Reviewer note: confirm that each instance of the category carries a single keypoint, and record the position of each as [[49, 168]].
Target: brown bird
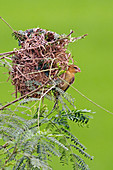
[[70, 76], [68, 80]]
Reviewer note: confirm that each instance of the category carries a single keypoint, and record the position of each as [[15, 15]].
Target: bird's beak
[[78, 70]]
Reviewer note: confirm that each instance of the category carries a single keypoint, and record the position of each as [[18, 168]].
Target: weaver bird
[[68, 80], [70, 76]]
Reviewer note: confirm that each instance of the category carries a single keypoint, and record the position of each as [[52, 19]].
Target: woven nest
[[42, 56]]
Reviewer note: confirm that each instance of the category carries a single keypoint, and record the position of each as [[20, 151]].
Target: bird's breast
[[69, 79]]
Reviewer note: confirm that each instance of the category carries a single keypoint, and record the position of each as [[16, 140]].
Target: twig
[[60, 38], [41, 99], [20, 50], [87, 97], [52, 109], [20, 98], [47, 91], [51, 68], [4, 146], [14, 151], [5, 57], [21, 73], [7, 24], [42, 71], [78, 38], [39, 111], [8, 64], [70, 33], [9, 53]]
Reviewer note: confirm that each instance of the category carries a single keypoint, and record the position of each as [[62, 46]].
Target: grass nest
[[42, 57]]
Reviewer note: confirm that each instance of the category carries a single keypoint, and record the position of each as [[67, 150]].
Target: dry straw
[[42, 56]]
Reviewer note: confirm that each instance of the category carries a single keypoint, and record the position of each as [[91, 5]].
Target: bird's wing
[[71, 82]]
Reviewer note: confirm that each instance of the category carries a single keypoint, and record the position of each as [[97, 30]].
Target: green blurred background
[[94, 55]]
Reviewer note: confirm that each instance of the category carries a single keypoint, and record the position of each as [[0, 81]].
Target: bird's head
[[74, 69]]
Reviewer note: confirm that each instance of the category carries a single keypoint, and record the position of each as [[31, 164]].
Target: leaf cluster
[[29, 144]]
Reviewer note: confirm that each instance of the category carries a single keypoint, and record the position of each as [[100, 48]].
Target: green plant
[[30, 142], [31, 132]]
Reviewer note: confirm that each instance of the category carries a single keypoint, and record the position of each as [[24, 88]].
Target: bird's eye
[[75, 67]]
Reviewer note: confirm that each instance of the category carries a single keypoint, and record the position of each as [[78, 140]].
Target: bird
[[69, 77], [68, 80]]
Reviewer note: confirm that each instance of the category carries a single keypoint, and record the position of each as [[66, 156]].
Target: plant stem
[[20, 98], [87, 97], [7, 24], [14, 151]]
